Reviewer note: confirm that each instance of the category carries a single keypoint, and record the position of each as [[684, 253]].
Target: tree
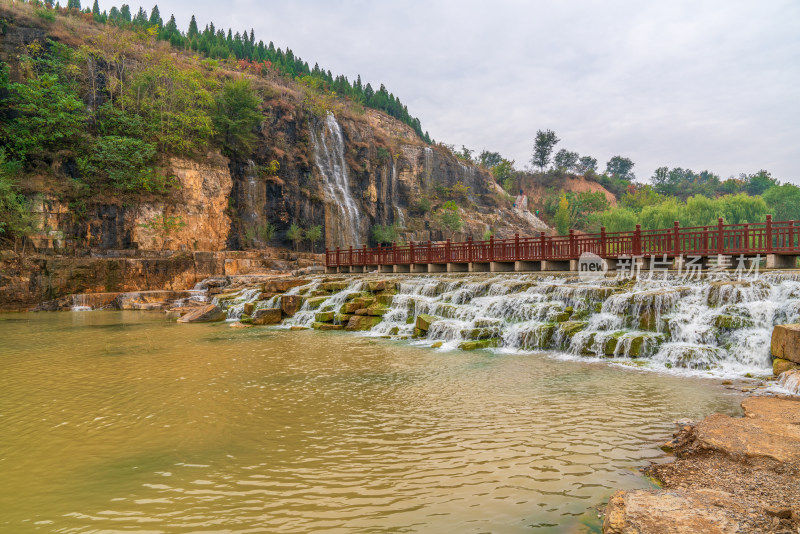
[[295, 235], [502, 173], [620, 168], [155, 17], [587, 165], [561, 219], [236, 116], [566, 161], [755, 184], [449, 217], [546, 140], [16, 219], [783, 202], [490, 160], [385, 234], [314, 234], [96, 10], [192, 32]]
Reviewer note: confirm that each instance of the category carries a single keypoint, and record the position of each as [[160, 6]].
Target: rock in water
[[267, 316], [204, 314], [291, 303], [786, 342]]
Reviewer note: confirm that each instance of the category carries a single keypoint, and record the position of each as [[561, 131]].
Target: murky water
[[119, 421]]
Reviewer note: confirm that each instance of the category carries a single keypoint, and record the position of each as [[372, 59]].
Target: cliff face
[[345, 170]]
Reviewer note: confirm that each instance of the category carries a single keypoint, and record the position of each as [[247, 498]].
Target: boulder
[[290, 304], [362, 322], [324, 317], [284, 284], [380, 285], [377, 310], [779, 365], [790, 380], [327, 326], [249, 307], [786, 342], [267, 316], [204, 314], [475, 345], [241, 325], [350, 307], [424, 321], [333, 286], [316, 302]]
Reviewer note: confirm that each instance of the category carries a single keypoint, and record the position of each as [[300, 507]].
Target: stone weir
[[714, 326]]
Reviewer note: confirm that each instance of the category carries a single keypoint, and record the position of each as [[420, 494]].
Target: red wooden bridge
[[776, 241]]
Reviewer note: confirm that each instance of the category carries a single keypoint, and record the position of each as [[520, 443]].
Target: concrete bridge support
[[356, 268], [475, 267], [553, 265], [457, 267], [521, 266], [501, 266], [401, 268], [386, 268], [419, 268], [779, 261], [437, 267]]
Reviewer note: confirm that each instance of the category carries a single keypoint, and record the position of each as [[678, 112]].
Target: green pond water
[[123, 422]]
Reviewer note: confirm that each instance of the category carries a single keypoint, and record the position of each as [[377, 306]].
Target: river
[[121, 421]]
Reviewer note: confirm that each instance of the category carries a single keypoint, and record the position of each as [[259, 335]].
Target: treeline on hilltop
[[677, 194], [216, 43]]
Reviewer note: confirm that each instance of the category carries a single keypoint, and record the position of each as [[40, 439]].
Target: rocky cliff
[[340, 166]]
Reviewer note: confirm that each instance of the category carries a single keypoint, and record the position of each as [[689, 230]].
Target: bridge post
[[447, 257], [573, 249], [469, 248], [394, 253], [603, 247], [544, 247], [516, 247], [337, 257], [637, 240], [676, 244], [429, 251], [411, 251], [769, 234], [491, 248], [720, 237], [364, 256]]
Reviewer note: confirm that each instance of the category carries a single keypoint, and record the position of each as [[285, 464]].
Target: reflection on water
[[119, 421]]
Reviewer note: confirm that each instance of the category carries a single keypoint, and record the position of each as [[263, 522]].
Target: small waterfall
[[428, 165], [329, 157], [251, 210], [400, 216], [80, 303]]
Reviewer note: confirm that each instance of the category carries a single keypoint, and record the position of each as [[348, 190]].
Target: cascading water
[[329, 147], [401, 218], [428, 165]]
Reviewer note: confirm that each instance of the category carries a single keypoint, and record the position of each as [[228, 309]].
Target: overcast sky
[[697, 84]]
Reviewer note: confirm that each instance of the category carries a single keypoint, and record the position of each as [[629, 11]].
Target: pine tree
[[192, 28], [96, 10], [74, 4], [155, 18]]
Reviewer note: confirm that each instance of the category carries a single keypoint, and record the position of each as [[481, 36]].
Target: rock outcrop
[[731, 475]]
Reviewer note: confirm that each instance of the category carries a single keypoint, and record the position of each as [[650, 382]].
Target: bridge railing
[[768, 237]]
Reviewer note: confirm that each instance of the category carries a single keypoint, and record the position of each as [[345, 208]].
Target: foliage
[[566, 161], [620, 168], [460, 192], [385, 234], [313, 235], [503, 171], [543, 146], [295, 235], [487, 234], [16, 220], [490, 160], [449, 217], [164, 225], [586, 165], [464, 154], [423, 206], [236, 115], [266, 232], [44, 115], [783, 202], [126, 162], [561, 219]]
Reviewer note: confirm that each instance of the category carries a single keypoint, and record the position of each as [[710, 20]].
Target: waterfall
[[251, 211], [401, 218], [670, 324], [329, 157], [428, 165]]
